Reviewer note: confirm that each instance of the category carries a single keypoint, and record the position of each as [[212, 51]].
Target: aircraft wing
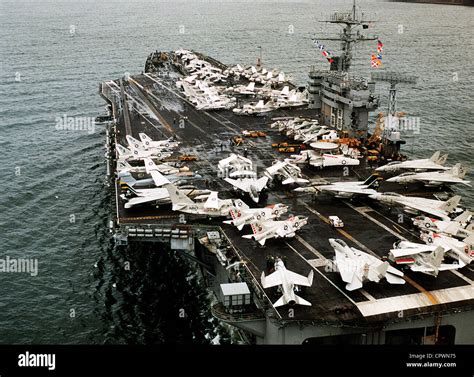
[[158, 178], [398, 253], [271, 280], [298, 279], [212, 201], [442, 179], [431, 211], [347, 268], [348, 190], [275, 167], [241, 185]]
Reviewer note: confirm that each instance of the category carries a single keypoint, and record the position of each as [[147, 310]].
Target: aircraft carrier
[[424, 310]]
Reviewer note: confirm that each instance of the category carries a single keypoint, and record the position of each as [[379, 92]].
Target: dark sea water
[[82, 293]]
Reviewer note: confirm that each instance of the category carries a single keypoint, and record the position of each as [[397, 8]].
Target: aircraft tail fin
[[435, 156], [436, 257], [442, 160], [463, 217], [134, 143], [126, 186], [177, 197], [261, 183], [469, 240], [372, 181], [451, 204], [459, 171], [126, 179], [470, 228]]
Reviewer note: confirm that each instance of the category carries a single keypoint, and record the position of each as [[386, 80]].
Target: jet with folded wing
[[463, 250], [421, 258], [415, 205], [148, 142], [345, 190], [243, 215], [252, 186], [136, 154], [276, 229], [212, 206], [287, 172], [434, 178], [288, 281], [356, 267], [460, 226], [436, 162]]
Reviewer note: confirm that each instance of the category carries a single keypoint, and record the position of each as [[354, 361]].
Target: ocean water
[[55, 202]]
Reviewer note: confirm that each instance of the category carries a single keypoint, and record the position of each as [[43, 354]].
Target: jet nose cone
[[373, 196]]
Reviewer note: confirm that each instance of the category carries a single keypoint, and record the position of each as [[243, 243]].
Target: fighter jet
[[463, 250], [213, 206], [355, 266], [259, 108], [434, 179], [149, 143], [323, 160], [415, 205], [436, 162], [287, 172], [136, 154], [276, 229], [135, 144], [158, 195], [458, 227], [235, 166], [252, 186], [288, 282], [421, 258], [345, 190], [243, 215]]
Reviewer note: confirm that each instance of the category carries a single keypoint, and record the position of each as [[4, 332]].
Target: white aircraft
[[421, 258], [355, 266], [242, 89], [288, 281], [158, 195], [436, 162], [255, 109], [243, 215], [458, 227], [323, 160], [149, 143], [435, 178], [135, 144], [276, 229], [236, 166], [213, 206], [287, 172], [463, 250], [136, 154], [251, 186], [345, 190], [415, 205]]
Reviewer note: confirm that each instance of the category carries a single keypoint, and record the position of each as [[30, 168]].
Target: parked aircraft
[[436, 162], [276, 229], [288, 282], [356, 267], [243, 215], [421, 258], [415, 205]]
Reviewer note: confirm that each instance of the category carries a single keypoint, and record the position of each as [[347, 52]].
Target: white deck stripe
[[414, 301]]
